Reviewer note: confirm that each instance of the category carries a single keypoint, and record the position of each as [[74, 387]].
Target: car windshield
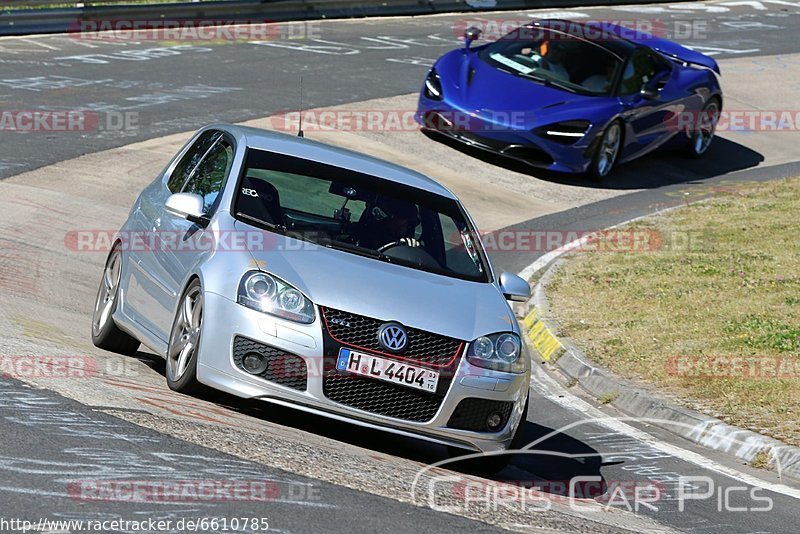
[[360, 214], [555, 58]]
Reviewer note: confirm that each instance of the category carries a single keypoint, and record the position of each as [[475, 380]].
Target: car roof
[[610, 41], [305, 148]]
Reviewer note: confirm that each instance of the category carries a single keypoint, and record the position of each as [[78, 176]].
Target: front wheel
[[704, 129], [105, 333], [184, 341], [607, 151]]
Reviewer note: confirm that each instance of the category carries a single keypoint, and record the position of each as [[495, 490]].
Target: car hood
[[345, 281]]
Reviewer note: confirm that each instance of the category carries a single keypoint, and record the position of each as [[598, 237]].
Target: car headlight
[[501, 352], [566, 132], [433, 85], [269, 294]]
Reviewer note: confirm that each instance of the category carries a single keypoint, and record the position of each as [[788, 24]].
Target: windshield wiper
[[548, 81], [361, 251], [261, 222]]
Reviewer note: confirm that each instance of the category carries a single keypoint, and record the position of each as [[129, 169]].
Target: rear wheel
[[606, 152], [704, 129], [105, 333], [184, 341]]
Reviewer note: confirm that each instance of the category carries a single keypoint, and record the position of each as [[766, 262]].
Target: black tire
[[606, 152], [106, 334], [184, 341], [704, 129], [490, 465]]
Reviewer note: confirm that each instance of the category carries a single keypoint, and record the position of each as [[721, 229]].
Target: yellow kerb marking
[[542, 338]]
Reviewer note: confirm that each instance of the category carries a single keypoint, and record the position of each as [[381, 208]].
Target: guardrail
[[20, 21]]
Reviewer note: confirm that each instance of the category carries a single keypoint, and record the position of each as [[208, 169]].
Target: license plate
[[388, 370]]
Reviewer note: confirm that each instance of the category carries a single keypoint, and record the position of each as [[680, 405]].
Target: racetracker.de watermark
[[199, 30], [48, 366], [181, 241], [572, 240], [736, 120], [636, 29], [499, 121], [399, 120], [743, 367], [66, 121], [43, 366], [178, 241], [190, 491]]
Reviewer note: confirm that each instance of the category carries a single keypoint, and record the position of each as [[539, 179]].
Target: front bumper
[[225, 320], [504, 139]]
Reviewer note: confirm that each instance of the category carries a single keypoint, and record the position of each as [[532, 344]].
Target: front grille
[[529, 153], [472, 136], [471, 414], [284, 368], [488, 142], [382, 398], [361, 332], [345, 329]]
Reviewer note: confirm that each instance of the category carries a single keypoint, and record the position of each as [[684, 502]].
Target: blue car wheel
[[607, 151], [704, 130]]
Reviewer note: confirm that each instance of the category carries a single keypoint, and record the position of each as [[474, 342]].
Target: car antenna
[[300, 128]]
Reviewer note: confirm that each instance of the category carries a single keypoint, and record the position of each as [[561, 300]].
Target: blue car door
[[647, 113]]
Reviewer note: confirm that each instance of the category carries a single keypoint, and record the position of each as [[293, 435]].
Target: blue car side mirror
[[649, 92], [473, 33]]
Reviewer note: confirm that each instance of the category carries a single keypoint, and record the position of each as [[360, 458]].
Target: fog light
[[494, 421], [254, 363]]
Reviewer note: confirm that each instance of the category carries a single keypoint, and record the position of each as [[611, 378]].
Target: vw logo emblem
[[393, 337]]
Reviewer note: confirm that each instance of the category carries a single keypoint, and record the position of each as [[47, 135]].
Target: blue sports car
[[573, 97]]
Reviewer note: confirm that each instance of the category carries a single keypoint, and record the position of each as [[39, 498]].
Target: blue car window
[[556, 59]]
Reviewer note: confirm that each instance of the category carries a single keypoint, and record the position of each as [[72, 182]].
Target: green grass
[[733, 292], [760, 460]]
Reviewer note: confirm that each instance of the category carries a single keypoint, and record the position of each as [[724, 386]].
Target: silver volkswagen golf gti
[[278, 268]]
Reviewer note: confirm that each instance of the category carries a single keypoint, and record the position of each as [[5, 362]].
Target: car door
[[646, 118], [187, 243], [151, 288]]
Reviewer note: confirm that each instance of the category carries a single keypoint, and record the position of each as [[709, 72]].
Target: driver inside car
[[390, 221]]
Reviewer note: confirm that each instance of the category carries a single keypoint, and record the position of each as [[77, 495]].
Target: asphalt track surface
[[177, 89], [180, 86]]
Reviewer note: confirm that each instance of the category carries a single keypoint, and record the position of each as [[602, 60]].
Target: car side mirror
[[651, 89], [473, 33], [649, 92], [514, 288], [188, 206]]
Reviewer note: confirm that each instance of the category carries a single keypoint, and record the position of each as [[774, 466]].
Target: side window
[[209, 176], [190, 160], [458, 256], [640, 69]]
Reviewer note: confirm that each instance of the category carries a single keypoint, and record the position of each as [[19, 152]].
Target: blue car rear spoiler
[[668, 48], [682, 53], [640, 37]]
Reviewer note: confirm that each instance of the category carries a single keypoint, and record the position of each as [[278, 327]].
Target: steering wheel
[[393, 244]]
